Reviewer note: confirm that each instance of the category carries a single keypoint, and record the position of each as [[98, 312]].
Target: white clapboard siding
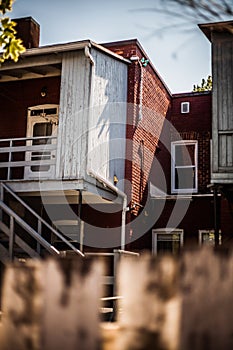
[[74, 99], [222, 162], [107, 121], [92, 117]]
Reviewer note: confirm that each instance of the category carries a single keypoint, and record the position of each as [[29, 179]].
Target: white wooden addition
[[221, 38], [91, 134], [92, 116]]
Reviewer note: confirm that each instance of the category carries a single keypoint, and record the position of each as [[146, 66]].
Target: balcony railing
[[20, 157]]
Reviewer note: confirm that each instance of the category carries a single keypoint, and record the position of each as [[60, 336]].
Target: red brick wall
[[28, 30], [195, 125], [17, 96], [199, 216]]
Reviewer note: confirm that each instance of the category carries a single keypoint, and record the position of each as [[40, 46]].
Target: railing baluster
[[11, 239], [39, 230], [2, 199], [11, 148], [9, 160]]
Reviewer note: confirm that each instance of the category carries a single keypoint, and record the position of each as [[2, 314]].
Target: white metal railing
[[36, 234], [26, 146]]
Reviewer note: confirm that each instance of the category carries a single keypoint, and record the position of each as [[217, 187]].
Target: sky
[[181, 57]]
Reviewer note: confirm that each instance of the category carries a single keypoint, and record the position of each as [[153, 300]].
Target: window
[[167, 240], [206, 237], [184, 166], [185, 107], [42, 124]]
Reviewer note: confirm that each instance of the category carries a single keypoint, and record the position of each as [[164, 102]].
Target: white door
[[42, 126]]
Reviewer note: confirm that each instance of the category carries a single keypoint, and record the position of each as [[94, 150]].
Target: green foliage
[[206, 85], [6, 5], [11, 46]]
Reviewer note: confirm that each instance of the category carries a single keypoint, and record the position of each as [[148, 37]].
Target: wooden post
[[207, 301], [52, 305], [81, 222], [216, 217], [149, 313]]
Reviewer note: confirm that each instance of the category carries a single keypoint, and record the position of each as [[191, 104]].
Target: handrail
[[111, 298], [33, 148], [47, 152], [29, 229], [126, 252], [39, 218], [28, 138]]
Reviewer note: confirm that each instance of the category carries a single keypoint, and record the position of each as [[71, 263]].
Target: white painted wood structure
[[92, 109], [221, 36]]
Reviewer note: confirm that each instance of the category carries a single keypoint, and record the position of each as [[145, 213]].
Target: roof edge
[[71, 46], [191, 93], [220, 27]]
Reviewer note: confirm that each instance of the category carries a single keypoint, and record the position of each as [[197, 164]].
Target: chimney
[[29, 31]]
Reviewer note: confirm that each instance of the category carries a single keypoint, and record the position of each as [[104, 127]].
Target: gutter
[[70, 46], [120, 194]]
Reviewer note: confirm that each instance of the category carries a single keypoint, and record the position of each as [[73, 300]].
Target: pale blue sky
[[105, 20]]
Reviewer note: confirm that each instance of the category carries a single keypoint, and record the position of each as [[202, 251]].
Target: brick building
[[132, 160], [92, 109], [187, 203]]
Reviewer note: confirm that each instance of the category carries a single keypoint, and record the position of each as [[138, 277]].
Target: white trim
[[185, 107], [31, 121], [164, 231], [173, 167], [200, 236]]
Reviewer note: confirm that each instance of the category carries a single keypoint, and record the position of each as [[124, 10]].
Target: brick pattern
[[17, 96], [195, 125]]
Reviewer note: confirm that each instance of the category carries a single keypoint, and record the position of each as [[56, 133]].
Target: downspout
[[142, 63], [124, 203], [91, 84], [88, 54], [90, 108], [141, 90]]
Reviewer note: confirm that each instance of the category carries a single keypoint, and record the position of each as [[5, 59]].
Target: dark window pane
[[184, 155], [168, 243], [184, 178], [42, 129], [36, 112]]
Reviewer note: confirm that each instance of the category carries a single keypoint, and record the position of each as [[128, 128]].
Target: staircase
[[20, 239]]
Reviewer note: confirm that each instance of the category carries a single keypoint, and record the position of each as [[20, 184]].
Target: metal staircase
[[20, 239]]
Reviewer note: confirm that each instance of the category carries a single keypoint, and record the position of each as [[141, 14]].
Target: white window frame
[[31, 121], [200, 237], [182, 108], [173, 167], [164, 231]]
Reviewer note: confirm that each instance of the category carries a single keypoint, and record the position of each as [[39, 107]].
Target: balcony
[[28, 158]]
